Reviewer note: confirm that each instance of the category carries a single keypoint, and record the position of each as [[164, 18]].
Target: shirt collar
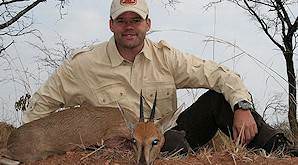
[[114, 55], [146, 50], [117, 59]]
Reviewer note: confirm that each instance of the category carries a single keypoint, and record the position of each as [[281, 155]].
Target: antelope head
[[147, 136]]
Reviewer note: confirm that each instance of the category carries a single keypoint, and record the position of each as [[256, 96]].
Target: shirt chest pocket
[[110, 93], [162, 93], [166, 95]]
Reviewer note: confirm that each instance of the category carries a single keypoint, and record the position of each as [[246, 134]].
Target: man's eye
[[136, 20], [120, 21]]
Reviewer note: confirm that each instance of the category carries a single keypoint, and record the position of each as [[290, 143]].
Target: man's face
[[129, 30]]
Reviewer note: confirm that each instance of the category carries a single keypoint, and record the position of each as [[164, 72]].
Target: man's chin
[[130, 45]]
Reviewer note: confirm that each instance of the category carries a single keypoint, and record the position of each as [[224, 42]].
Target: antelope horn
[[141, 108], [153, 108]]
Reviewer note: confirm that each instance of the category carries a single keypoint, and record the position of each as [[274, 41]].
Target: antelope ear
[[128, 117], [169, 121]]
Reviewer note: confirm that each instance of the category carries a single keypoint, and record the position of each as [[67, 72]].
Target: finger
[[247, 134], [256, 129], [242, 130], [253, 132], [235, 135], [240, 137], [243, 139]]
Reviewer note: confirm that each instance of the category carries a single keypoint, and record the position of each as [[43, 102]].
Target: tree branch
[[20, 14], [281, 18], [293, 28], [262, 3], [263, 25], [4, 48], [12, 1], [280, 5]]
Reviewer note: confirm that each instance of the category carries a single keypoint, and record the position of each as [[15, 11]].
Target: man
[[117, 70]]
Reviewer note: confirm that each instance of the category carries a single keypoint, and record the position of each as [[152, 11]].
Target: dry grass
[[220, 150], [223, 151]]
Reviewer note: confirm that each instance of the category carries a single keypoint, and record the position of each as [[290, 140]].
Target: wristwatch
[[244, 105]]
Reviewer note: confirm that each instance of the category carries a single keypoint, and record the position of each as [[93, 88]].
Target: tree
[[278, 22], [15, 21]]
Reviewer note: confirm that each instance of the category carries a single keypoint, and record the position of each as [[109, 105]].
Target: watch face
[[245, 105]]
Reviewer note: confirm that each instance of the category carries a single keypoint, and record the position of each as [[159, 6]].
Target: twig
[[208, 158], [234, 160], [91, 153]]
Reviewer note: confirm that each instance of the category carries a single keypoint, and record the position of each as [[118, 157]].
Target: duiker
[[65, 130], [148, 137]]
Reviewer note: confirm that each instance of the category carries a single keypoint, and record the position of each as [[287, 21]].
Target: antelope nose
[[144, 163], [142, 160]]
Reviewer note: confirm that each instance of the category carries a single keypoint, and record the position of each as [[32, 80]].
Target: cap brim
[[132, 9]]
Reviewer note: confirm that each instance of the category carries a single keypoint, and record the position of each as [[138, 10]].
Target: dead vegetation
[[220, 150], [114, 156]]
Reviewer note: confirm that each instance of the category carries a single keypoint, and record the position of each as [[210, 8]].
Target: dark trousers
[[211, 112]]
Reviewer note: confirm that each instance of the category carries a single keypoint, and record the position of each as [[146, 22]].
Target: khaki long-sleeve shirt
[[99, 75]]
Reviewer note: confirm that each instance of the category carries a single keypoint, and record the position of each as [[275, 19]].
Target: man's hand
[[244, 126]]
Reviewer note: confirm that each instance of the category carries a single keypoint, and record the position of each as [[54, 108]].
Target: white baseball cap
[[120, 6]]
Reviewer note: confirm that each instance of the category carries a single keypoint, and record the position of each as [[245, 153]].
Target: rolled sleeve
[[192, 72]]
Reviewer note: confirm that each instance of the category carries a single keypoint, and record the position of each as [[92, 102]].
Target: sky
[[185, 26]]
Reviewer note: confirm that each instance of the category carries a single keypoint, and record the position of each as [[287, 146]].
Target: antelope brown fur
[[65, 130]]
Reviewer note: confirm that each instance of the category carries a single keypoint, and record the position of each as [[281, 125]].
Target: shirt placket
[[136, 76]]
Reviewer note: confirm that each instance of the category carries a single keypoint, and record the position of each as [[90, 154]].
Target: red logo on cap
[[128, 2]]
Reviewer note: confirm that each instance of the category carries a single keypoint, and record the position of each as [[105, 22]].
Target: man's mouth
[[129, 36]]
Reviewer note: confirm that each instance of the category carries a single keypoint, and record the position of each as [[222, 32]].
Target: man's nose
[[128, 25]]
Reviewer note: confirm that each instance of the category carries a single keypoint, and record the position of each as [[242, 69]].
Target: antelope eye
[[155, 142], [133, 140]]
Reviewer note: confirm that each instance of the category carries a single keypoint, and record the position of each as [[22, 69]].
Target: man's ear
[[148, 22], [111, 25]]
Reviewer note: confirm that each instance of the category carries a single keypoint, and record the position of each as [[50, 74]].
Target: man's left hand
[[244, 126]]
